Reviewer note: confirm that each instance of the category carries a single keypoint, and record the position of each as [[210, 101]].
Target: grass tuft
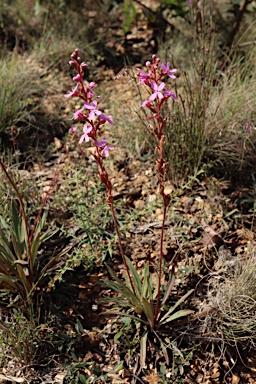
[[234, 300]]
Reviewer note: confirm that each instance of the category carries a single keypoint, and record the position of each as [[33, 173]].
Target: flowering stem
[[153, 80], [111, 205], [104, 178], [160, 266]]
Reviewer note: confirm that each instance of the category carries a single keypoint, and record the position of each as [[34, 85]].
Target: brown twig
[[237, 23]]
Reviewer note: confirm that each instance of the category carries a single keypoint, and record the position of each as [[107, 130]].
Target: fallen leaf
[[210, 236]]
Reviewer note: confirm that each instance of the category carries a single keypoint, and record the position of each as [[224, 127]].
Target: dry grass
[[233, 297]]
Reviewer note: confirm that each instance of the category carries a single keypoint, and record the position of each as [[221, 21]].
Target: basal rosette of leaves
[[20, 272]]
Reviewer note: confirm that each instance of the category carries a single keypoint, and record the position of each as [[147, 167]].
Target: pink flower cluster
[[153, 79], [89, 113], [159, 93]]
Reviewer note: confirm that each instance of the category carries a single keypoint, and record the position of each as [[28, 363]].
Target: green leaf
[[143, 349], [8, 279], [24, 279], [135, 277], [169, 288], [124, 291], [181, 300], [118, 335], [148, 309], [164, 350], [116, 312], [177, 315], [145, 286], [35, 243], [83, 379], [119, 366], [6, 254], [16, 221]]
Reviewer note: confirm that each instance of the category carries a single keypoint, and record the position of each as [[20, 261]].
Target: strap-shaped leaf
[[114, 312], [144, 291], [169, 287], [181, 300], [143, 349], [164, 350], [135, 277], [11, 281], [18, 247], [15, 221], [126, 293], [148, 309], [24, 279], [177, 315], [6, 255], [35, 243]]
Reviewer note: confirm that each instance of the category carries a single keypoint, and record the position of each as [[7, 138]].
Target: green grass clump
[[20, 88], [21, 338]]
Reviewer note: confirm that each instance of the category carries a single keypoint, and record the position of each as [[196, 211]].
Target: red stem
[[160, 266], [105, 180], [121, 246]]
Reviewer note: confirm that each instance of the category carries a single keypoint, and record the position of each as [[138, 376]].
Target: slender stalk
[[104, 178], [121, 246], [160, 266], [23, 215]]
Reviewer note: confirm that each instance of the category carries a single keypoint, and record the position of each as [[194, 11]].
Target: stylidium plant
[[94, 119], [138, 293], [153, 80]]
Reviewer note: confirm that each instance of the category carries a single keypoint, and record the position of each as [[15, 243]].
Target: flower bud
[[77, 77]]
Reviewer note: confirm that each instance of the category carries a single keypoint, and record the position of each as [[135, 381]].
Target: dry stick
[[23, 215]]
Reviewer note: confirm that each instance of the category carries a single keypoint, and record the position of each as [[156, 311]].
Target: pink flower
[[90, 92], [146, 104], [72, 130], [77, 77], [144, 77], [168, 93], [157, 90], [73, 92], [168, 71], [85, 136], [103, 118], [78, 114], [93, 108], [106, 148]]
